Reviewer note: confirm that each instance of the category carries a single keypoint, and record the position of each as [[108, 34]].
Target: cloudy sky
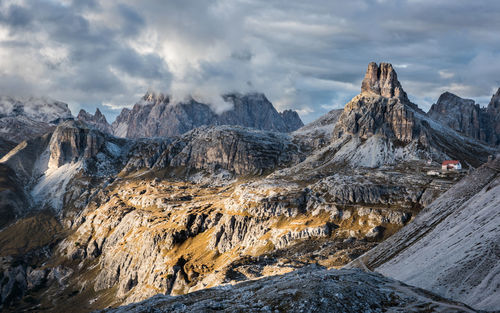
[[307, 55]]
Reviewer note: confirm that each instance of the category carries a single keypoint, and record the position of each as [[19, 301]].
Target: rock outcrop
[[98, 120], [494, 113], [310, 289], [5, 146], [71, 142], [382, 119], [23, 119], [466, 117], [236, 149], [382, 80], [292, 119], [381, 108], [156, 116]]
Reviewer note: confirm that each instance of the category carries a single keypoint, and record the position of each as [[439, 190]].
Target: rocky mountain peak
[[98, 120], [494, 113], [292, 119], [467, 117], [381, 108], [382, 80], [154, 97], [155, 116], [494, 105]]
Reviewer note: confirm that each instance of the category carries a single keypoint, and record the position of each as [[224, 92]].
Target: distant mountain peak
[[467, 117], [155, 97], [155, 116], [98, 120], [382, 80]]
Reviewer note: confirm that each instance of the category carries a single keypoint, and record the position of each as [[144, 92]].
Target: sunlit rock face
[[381, 108], [382, 80]]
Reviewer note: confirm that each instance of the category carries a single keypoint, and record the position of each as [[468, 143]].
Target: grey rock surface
[[23, 119], [156, 116], [455, 236], [467, 117], [98, 120], [310, 289]]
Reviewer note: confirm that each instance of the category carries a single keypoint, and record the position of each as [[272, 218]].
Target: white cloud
[[310, 56]]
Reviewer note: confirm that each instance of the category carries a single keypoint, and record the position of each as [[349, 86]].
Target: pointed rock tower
[[382, 126], [98, 120], [382, 80], [382, 108]]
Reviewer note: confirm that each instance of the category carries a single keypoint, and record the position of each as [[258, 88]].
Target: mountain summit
[[382, 126], [468, 118], [98, 120], [382, 80]]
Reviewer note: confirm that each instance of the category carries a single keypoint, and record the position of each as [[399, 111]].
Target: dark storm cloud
[[16, 17], [307, 55]]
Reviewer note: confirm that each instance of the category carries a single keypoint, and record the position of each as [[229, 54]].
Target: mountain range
[[175, 199]]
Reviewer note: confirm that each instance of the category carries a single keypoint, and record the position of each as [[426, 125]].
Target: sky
[[305, 55]]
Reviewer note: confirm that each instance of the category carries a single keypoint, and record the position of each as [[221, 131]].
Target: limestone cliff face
[[466, 117], [494, 112], [156, 116], [382, 80], [367, 115], [381, 126], [238, 150], [72, 141], [381, 108], [98, 120]]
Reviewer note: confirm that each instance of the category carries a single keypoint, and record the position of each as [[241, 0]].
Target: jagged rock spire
[[382, 80]]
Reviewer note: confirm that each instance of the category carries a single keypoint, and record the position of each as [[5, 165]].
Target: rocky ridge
[[156, 116], [310, 289], [381, 118], [466, 117], [22, 119], [98, 120]]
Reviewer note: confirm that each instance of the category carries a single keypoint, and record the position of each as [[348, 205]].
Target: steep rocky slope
[[381, 126], [13, 201], [451, 248], [318, 133], [310, 289], [466, 117], [5, 146], [156, 116], [22, 119], [494, 112], [98, 120]]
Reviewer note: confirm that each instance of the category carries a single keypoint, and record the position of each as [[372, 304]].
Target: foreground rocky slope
[[310, 289], [456, 236], [156, 116]]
